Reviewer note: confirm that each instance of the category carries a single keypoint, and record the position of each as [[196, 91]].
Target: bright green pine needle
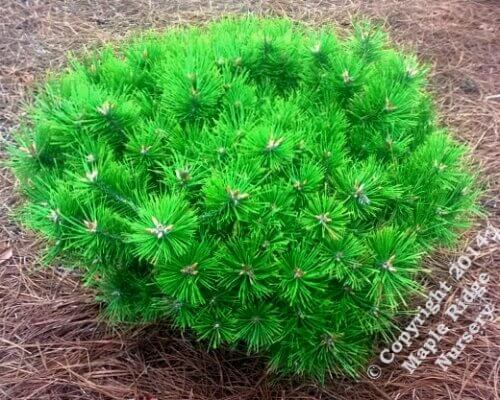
[[256, 181]]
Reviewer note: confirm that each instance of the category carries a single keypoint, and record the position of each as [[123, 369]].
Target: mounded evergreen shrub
[[261, 183]]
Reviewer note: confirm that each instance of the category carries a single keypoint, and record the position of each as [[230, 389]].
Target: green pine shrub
[[258, 182]]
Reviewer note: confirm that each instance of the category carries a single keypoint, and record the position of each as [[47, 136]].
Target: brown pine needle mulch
[[52, 343]]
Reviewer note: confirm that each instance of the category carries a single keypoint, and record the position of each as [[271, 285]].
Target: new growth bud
[[411, 72], [145, 150], [183, 175], [91, 176], [54, 215], [323, 219], [91, 226], [360, 195], [346, 77], [298, 273], [388, 265], [159, 229], [236, 196], [389, 106], [190, 269], [273, 144], [105, 108], [316, 48]]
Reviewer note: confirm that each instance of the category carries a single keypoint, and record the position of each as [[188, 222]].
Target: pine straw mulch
[[52, 343]]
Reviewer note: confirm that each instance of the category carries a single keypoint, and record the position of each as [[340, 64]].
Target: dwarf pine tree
[[258, 182]]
